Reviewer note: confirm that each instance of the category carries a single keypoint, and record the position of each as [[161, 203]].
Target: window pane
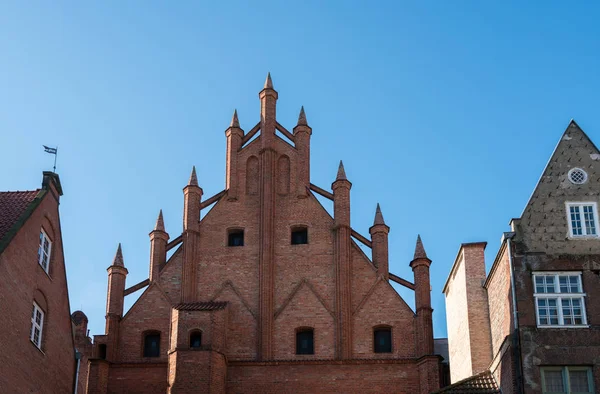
[[549, 284], [196, 340], [590, 224], [382, 338], [579, 382], [152, 345], [554, 381], [576, 221], [304, 342]]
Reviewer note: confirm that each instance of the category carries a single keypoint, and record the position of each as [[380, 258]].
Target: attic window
[[235, 238], [299, 236], [577, 176]]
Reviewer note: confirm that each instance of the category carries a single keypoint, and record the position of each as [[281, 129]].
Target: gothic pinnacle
[[118, 260], [234, 121], [160, 224], [302, 117], [378, 216], [193, 178], [268, 82], [341, 174], [419, 249]]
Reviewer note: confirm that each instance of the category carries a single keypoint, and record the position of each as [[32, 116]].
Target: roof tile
[[201, 306], [12, 206], [482, 383]]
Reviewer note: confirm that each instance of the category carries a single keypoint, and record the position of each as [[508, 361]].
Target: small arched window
[[382, 340], [152, 344], [299, 235], [196, 339], [235, 237], [305, 341]]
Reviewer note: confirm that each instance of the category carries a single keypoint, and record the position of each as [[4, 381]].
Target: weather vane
[[52, 151]]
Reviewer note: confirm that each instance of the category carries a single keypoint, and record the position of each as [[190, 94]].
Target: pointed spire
[[419, 249], [341, 174], [302, 117], [160, 224], [378, 216], [193, 178], [234, 121], [268, 82], [118, 261]]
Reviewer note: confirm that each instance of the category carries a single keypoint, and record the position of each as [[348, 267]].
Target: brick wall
[[23, 367], [324, 377]]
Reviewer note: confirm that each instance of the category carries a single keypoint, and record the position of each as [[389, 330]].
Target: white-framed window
[[577, 176], [583, 219], [44, 250], [567, 380], [37, 325], [559, 299]]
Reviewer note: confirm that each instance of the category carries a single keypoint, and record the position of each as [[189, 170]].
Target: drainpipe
[[508, 236], [78, 358]]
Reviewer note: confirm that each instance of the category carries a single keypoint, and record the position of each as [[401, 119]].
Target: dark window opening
[[299, 236], [382, 340], [102, 351], [304, 342], [152, 345], [236, 238], [196, 340]]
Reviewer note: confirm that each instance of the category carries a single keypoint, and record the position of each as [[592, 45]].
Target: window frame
[[558, 296], [300, 330], [145, 335], [34, 325], [383, 328], [42, 253], [580, 205], [564, 369]]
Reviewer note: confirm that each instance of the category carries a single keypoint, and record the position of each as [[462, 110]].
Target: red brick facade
[[25, 367], [249, 302], [541, 243]]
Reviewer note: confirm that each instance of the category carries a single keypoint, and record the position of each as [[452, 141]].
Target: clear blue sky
[[444, 112]]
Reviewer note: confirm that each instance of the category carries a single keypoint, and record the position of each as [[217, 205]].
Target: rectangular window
[[37, 325], [559, 299], [44, 250], [567, 380], [582, 219], [235, 238]]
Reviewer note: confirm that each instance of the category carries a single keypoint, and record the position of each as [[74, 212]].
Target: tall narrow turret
[[302, 133], [341, 218], [117, 273], [191, 236], [420, 266], [379, 238], [158, 247], [268, 158], [234, 136], [268, 112]]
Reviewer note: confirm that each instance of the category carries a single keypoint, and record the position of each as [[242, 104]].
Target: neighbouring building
[[267, 292], [533, 322], [37, 350]]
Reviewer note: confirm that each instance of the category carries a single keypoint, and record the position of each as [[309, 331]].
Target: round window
[[577, 176]]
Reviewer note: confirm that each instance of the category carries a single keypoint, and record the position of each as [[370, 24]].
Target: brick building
[[534, 321], [37, 350], [267, 292]]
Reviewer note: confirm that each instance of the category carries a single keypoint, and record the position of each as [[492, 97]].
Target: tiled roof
[[201, 306], [483, 383], [12, 206]]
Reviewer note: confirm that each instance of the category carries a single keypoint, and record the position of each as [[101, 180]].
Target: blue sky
[[443, 112]]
